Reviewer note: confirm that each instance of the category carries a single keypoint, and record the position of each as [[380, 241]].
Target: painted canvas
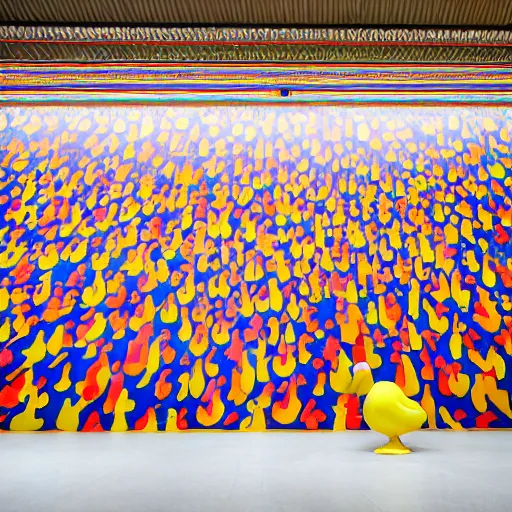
[[176, 268]]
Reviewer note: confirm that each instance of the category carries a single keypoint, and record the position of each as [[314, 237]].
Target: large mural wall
[[170, 268]]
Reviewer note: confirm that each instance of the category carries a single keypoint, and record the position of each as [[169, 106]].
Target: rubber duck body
[[389, 411]]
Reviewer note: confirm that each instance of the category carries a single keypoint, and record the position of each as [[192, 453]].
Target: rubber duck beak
[[362, 381]]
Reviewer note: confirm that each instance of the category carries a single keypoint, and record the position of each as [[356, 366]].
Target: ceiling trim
[[261, 34], [193, 44]]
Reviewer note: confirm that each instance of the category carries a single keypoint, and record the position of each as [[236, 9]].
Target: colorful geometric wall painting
[[174, 268]]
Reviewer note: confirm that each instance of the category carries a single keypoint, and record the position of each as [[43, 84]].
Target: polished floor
[[270, 472]]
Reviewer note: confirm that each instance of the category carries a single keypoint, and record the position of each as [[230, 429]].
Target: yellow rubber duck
[[387, 410]]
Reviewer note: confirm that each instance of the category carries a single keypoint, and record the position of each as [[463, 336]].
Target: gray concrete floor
[[268, 472]]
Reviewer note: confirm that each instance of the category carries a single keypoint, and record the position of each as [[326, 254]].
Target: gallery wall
[[174, 268]]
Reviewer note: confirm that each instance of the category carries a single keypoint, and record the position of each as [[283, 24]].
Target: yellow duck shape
[[387, 410]]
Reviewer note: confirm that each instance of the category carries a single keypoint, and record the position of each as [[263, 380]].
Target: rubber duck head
[[362, 381]]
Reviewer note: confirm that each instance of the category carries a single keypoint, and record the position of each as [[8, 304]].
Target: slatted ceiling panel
[[351, 11], [460, 10], [484, 9], [410, 12], [261, 12]]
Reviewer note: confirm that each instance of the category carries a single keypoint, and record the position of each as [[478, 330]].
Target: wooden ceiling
[[461, 13]]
